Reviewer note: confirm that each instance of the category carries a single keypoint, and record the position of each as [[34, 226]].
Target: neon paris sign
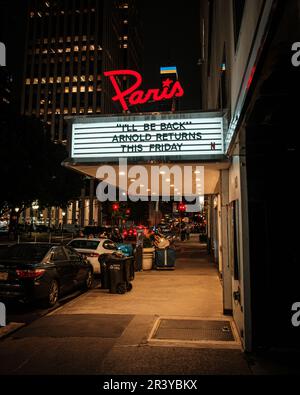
[[169, 90]]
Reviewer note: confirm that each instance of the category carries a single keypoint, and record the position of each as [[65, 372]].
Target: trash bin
[[104, 272], [119, 273]]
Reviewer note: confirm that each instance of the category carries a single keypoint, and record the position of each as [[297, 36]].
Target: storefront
[[158, 156]]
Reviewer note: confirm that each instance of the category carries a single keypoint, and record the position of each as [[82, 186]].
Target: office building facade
[[69, 44]]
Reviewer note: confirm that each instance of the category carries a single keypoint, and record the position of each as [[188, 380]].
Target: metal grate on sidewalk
[[194, 330]]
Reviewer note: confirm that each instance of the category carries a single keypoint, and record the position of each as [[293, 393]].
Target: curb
[[10, 328]]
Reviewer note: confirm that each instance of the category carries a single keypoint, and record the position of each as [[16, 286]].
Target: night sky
[[172, 37], [171, 34]]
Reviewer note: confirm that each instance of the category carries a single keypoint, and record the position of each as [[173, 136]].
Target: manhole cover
[[194, 330]]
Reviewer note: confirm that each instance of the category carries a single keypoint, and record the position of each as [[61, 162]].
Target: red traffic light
[[181, 207], [115, 207]]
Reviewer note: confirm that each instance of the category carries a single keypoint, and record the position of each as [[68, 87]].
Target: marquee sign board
[[173, 136]]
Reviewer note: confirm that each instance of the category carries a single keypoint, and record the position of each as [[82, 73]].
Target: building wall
[[220, 45], [226, 53]]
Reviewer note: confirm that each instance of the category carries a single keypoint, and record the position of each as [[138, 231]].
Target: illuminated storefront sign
[[170, 89], [147, 136]]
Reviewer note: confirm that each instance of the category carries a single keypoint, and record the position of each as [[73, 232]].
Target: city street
[[143, 145], [101, 333]]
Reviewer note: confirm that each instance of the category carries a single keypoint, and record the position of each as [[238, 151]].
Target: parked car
[[42, 271], [93, 248]]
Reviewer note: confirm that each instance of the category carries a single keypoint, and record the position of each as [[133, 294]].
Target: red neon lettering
[[135, 96]]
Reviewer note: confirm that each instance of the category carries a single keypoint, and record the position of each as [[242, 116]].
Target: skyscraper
[[69, 44]]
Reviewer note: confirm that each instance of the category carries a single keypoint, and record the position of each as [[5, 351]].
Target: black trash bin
[[120, 272], [104, 272]]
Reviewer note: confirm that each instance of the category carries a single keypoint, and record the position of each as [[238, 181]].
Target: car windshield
[[27, 252], [85, 244]]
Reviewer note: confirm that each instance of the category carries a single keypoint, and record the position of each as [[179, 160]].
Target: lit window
[[90, 110], [82, 78], [68, 49], [31, 14], [67, 79], [91, 78], [76, 48], [58, 80], [98, 88], [43, 80], [73, 110], [42, 111], [51, 80], [91, 89], [81, 111], [36, 81], [74, 89], [66, 111], [67, 89], [57, 111], [27, 81], [125, 45], [125, 21], [92, 47], [75, 78], [125, 38]]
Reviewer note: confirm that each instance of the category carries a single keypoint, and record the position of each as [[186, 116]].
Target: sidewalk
[[101, 333]]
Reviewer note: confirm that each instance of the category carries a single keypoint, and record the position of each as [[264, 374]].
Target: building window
[[238, 11]]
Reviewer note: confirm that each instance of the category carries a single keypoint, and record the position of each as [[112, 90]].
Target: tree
[[31, 166]]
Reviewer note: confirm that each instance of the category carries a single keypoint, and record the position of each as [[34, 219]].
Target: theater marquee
[[177, 136]]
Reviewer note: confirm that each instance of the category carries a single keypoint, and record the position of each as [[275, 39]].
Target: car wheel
[[53, 293], [89, 280], [129, 287]]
